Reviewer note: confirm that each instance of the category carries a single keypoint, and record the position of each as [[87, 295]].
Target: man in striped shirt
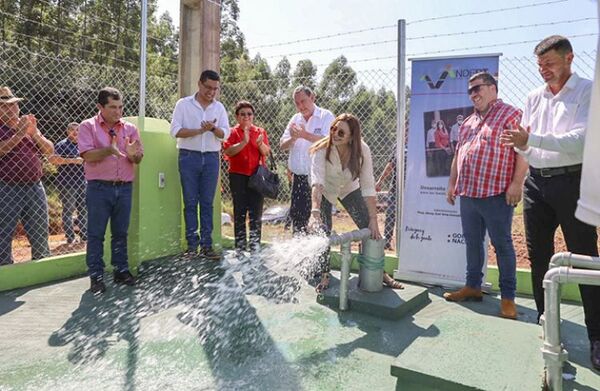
[[488, 177]]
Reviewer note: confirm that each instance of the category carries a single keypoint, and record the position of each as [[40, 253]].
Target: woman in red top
[[246, 148], [442, 138]]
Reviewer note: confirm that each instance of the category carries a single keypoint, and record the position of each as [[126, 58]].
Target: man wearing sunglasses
[[200, 124], [311, 123], [552, 138], [110, 148], [488, 177]]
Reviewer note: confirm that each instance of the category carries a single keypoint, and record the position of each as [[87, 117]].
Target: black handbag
[[265, 181]]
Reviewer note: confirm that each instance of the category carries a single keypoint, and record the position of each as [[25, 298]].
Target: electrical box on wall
[[161, 180]]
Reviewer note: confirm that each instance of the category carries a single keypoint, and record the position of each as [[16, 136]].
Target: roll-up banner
[[432, 248]]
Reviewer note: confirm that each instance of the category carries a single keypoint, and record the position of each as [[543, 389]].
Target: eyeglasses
[[209, 87], [246, 114], [475, 89]]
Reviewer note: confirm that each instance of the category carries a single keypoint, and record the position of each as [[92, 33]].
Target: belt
[[554, 171], [111, 183]]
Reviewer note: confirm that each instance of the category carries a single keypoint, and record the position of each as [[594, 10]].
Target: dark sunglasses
[[475, 89], [246, 114], [340, 132]]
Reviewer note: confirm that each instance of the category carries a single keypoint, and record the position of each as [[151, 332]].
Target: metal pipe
[[142, 107], [345, 275], [344, 240], [352, 236], [553, 352], [574, 260], [401, 128]]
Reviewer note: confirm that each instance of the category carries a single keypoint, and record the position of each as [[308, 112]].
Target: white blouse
[[337, 182]]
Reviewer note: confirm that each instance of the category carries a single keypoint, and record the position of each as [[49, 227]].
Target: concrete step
[[472, 351], [387, 303]]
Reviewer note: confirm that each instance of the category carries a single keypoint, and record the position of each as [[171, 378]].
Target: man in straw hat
[[22, 195]]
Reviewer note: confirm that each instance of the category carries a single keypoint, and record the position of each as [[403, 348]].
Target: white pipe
[[352, 236], [575, 260], [553, 352], [346, 258], [345, 275]]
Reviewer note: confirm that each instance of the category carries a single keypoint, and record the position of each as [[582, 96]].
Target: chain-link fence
[[60, 91], [48, 216]]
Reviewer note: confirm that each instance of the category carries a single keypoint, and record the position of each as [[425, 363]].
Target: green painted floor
[[179, 330]]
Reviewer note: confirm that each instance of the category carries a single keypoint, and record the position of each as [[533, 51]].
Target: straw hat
[[6, 96]]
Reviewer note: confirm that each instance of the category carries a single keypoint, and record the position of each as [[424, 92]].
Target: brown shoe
[[508, 309], [464, 293]]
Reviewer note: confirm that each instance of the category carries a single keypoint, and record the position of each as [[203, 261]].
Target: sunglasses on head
[[475, 89]]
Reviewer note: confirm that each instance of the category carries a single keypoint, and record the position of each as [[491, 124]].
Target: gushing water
[[209, 299]]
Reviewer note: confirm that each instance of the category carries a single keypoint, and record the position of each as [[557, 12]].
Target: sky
[[268, 22]]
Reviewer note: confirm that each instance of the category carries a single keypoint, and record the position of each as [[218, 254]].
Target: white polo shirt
[[319, 123], [338, 182], [189, 114], [558, 124]]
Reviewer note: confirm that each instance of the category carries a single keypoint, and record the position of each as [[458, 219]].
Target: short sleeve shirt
[[247, 160], [69, 175]]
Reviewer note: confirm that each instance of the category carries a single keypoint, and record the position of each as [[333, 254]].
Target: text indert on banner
[[432, 247]]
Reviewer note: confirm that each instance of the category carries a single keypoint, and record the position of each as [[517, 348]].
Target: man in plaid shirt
[[488, 177]]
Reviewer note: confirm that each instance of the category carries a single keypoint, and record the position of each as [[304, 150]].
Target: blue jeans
[[493, 214], [104, 202], [27, 203], [199, 173], [73, 199]]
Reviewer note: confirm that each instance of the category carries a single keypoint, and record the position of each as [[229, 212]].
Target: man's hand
[[114, 148], [207, 126], [315, 224], [450, 196], [23, 126], [514, 194], [295, 131], [133, 149], [515, 138]]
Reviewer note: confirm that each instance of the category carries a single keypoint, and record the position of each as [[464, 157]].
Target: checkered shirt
[[485, 167]]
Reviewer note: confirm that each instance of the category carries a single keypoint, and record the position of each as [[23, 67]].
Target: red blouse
[[247, 160]]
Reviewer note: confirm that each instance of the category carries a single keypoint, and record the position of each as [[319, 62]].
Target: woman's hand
[[259, 140], [246, 135], [315, 224], [374, 227]]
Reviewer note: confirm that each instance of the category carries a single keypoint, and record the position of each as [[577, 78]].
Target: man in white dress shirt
[[310, 124], [200, 124], [552, 139]]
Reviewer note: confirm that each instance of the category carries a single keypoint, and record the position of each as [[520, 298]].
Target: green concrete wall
[[156, 229]]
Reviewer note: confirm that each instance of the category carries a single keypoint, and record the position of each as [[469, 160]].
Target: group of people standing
[[504, 154]]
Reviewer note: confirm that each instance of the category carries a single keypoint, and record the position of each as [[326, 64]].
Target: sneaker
[[209, 253], [97, 285], [124, 278]]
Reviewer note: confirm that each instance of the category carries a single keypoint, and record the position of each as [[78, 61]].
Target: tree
[[305, 74]]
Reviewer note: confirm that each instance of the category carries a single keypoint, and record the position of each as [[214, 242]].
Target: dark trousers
[[73, 200], [355, 205], [548, 203], [301, 203], [107, 202], [390, 218], [246, 202]]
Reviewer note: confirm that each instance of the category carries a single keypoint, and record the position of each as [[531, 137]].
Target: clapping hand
[[259, 140], [515, 137], [133, 149], [207, 126]]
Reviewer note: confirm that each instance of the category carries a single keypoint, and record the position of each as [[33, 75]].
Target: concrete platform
[[178, 330], [387, 303]]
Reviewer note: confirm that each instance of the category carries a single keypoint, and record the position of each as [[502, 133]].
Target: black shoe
[[595, 354], [124, 278], [209, 253], [97, 285], [189, 254]]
